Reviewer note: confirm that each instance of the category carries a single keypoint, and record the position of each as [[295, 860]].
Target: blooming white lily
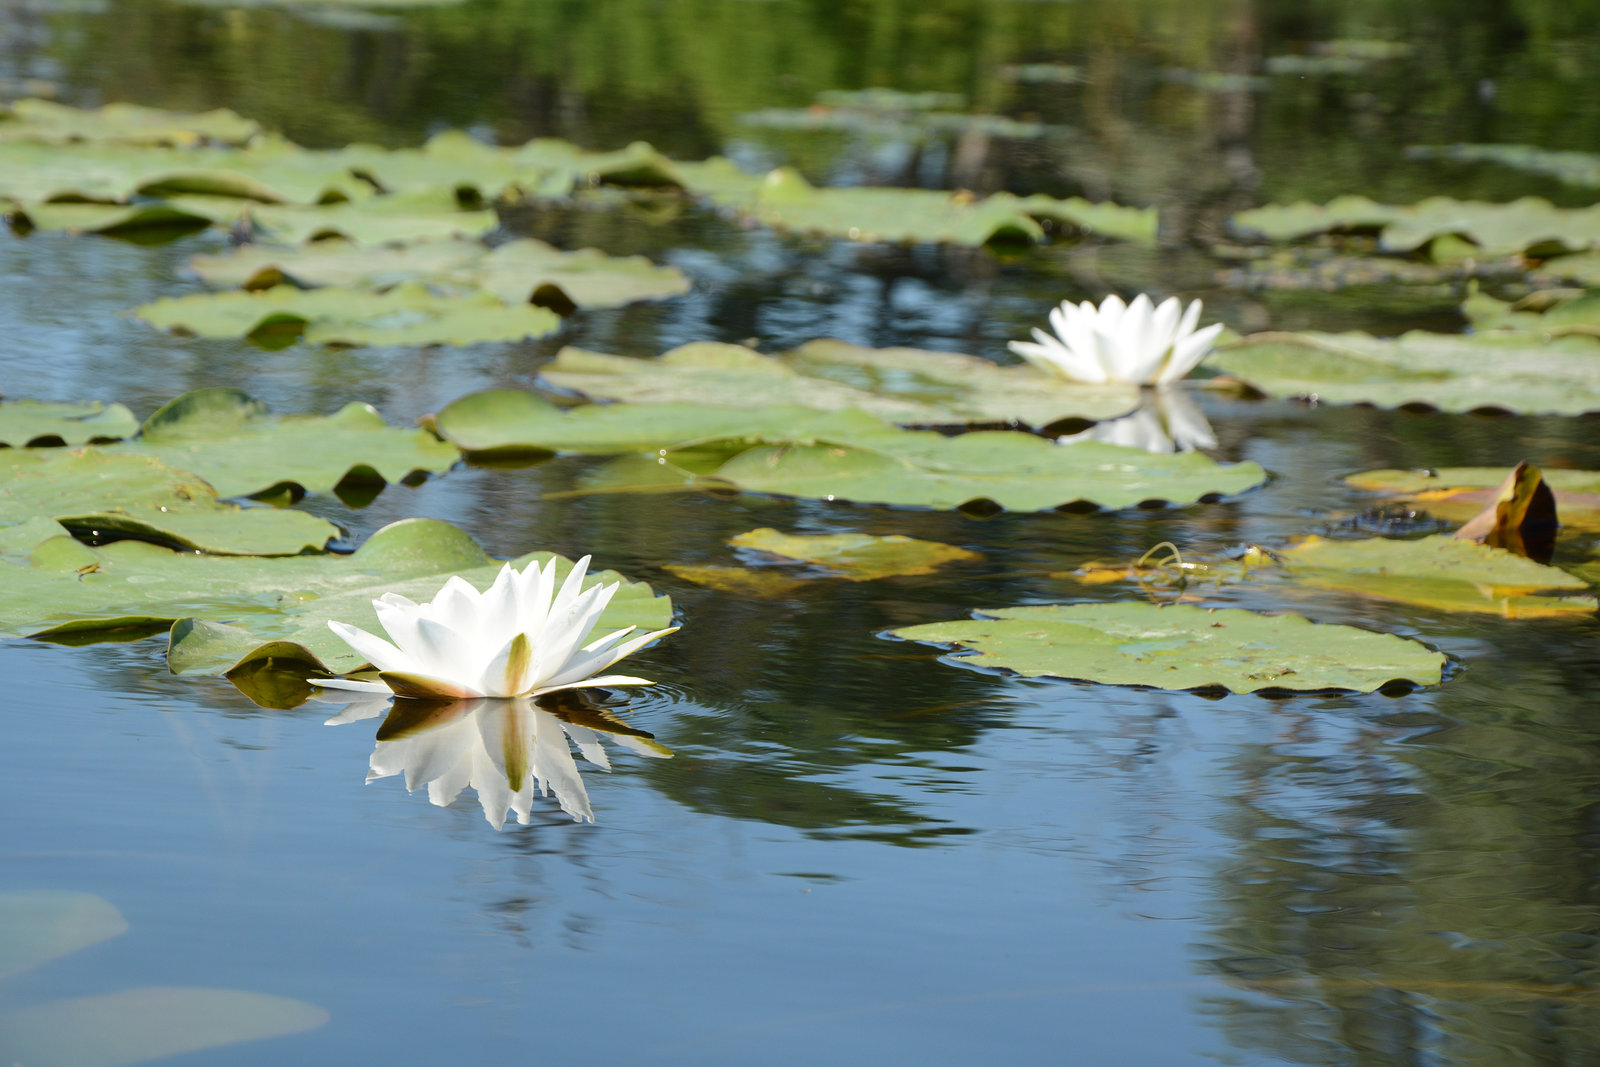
[[515, 639], [1138, 343]]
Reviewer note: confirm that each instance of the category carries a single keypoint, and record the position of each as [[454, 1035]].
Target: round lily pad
[[1181, 646]]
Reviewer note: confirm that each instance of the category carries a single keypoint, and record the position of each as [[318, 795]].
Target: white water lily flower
[[518, 638], [1138, 343]]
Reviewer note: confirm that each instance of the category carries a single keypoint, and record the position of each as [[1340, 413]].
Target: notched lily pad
[[1530, 224], [518, 272], [1521, 373], [903, 385], [104, 495], [1181, 646], [31, 422], [229, 439], [235, 611], [406, 315]]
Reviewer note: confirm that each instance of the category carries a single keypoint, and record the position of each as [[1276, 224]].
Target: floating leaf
[[37, 926], [241, 609], [1574, 168], [854, 556], [784, 200], [1494, 229], [514, 272], [510, 420], [137, 1025], [766, 583], [101, 494], [422, 216], [30, 422], [229, 439], [903, 385], [1480, 372], [1438, 572], [270, 171], [1550, 313], [1184, 647], [51, 123], [988, 470], [1458, 493], [405, 315]]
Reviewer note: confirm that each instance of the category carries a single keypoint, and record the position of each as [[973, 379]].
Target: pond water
[[857, 852]]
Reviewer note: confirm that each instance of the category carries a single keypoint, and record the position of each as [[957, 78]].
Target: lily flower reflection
[[505, 750], [518, 638], [1166, 420], [1138, 343]]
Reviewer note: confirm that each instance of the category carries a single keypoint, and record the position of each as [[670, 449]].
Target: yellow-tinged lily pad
[[1180, 646], [232, 611], [37, 926], [518, 272], [406, 315], [103, 495], [766, 583], [1441, 572], [854, 556], [229, 439], [904, 385], [30, 422], [52, 123], [1517, 372], [1456, 494]]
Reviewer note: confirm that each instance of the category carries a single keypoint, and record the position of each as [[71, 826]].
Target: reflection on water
[[505, 750], [1166, 420]]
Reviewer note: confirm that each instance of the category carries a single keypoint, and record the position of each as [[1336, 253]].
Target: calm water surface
[[858, 852]]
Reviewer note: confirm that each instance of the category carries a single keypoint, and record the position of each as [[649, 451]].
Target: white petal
[[598, 658], [1188, 353], [380, 653], [599, 682]]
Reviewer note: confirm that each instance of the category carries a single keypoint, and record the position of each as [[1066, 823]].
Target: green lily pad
[[1456, 494], [1495, 230], [1181, 646], [231, 611], [854, 556], [455, 161], [1549, 313], [37, 926], [116, 218], [406, 315], [784, 200], [51, 123], [510, 420], [102, 494], [139, 1025], [1582, 269], [515, 272], [228, 438], [903, 385], [1483, 372], [982, 471], [30, 422], [1574, 168], [270, 171], [1439, 572], [845, 455]]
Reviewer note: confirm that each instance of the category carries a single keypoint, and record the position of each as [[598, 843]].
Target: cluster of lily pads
[[111, 526]]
